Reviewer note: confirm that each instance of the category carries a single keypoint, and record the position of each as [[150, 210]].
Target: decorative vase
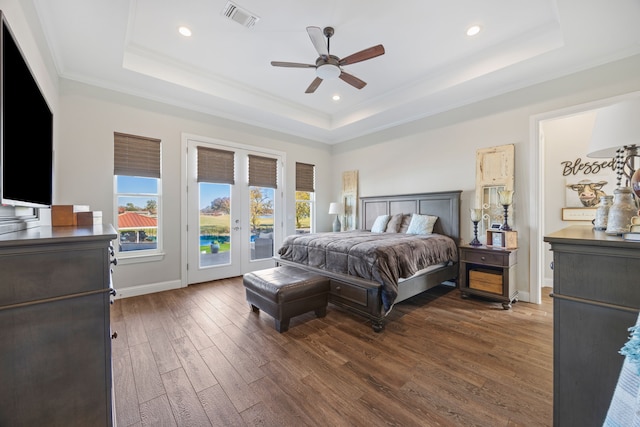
[[621, 211], [602, 213]]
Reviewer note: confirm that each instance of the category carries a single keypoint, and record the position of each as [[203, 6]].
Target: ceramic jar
[[620, 213], [602, 213]]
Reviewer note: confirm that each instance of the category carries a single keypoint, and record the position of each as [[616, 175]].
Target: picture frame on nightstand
[[502, 239]]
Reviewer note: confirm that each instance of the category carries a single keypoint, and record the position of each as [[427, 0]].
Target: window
[[138, 193], [263, 181], [305, 198]]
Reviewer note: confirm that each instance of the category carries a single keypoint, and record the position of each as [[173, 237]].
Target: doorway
[[233, 208], [542, 198]]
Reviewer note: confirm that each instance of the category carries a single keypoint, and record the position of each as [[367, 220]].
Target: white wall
[[89, 118]]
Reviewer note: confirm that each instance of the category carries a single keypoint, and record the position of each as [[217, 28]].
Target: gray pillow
[[394, 224], [404, 226]]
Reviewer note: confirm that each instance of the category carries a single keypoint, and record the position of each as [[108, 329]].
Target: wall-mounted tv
[[26, 130]]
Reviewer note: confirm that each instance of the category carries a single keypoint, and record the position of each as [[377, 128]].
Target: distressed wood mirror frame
[[494, 172], [350, 199]]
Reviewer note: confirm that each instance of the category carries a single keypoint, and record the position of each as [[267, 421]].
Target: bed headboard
[[445, 205]]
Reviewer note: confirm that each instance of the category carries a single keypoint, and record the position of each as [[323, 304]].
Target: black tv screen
[[26, 130]]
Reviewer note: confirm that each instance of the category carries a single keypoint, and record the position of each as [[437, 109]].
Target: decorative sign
[[577, 166], [579, 214]]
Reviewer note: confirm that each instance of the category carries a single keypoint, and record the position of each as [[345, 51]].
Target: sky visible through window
[[149, 186], [136, 185]]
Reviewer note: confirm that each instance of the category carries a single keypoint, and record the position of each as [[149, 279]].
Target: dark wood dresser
[[596, 298], [55, 339]]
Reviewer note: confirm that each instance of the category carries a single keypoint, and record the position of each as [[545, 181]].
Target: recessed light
[[336, 97], [473, 30], [184, 31]]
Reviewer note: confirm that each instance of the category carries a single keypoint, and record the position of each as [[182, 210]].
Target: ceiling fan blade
[[317, 38], [352, 80], [363, 55], [291, 64], [314, 85]]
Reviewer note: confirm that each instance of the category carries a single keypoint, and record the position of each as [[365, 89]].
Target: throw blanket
[[380, 257]]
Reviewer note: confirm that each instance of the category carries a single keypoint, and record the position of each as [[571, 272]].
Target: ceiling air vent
[[240, 15]]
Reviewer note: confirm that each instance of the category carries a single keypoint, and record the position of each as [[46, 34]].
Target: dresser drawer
[[50, 273], [344, 291]]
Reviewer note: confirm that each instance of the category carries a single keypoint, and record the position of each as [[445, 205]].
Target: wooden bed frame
[[363, 296]]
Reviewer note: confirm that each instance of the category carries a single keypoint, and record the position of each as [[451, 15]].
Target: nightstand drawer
[[486, 258]]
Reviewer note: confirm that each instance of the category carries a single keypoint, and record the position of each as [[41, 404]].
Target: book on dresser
[[632, 236]]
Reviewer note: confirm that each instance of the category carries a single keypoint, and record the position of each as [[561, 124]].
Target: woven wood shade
[[263, 171], [136, 156], [305, 177], [216, 166]]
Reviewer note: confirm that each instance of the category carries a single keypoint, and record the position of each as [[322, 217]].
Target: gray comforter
[[380, 257]]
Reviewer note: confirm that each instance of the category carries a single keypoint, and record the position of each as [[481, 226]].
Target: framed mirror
[[494, 173]]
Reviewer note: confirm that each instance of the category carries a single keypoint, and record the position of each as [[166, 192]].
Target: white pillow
[[380, 224], [421, 224]]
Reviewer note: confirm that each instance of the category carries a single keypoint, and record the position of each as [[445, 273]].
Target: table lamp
[[476, 216], [616, 131], [336, 209], [506, 198]]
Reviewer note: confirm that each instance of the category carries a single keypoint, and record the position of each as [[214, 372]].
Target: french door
[[234, 208]]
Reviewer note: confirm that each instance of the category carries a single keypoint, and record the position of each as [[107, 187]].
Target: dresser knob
[[338, 288], [114, 335], [483, 258]]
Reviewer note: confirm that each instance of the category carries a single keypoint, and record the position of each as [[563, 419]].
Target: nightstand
[[489, 273]]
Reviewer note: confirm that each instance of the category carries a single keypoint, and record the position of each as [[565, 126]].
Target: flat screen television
[[26, 130]]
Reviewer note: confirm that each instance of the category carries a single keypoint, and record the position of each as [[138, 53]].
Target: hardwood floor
[[198, 356]]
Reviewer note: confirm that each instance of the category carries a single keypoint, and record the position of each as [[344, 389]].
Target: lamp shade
[[506, 197], [335, 208], [616, 126], [476, 214]]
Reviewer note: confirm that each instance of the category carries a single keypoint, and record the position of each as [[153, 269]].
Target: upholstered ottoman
[[284, 292]]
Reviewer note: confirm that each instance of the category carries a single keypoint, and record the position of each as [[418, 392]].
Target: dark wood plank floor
[[198, 356]]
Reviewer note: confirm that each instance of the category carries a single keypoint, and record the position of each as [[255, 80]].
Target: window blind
[[216, 166], [305, 177], [263, 171], [136, 156]]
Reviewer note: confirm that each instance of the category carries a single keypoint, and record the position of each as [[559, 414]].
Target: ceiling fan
[[330, 66]]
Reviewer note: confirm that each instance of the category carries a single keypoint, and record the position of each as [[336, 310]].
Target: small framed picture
[[495, 226], [496, 239]]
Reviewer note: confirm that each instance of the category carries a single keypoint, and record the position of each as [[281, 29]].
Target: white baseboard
[[548, 282], [523, 296], [150, 288]]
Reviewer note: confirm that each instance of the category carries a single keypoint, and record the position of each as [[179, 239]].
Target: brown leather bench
[[284, 292]]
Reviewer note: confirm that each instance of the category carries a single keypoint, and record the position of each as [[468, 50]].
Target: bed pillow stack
[[404, 224]]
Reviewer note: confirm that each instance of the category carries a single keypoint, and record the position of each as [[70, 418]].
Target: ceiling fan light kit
[[329, 67], [328, 71]]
